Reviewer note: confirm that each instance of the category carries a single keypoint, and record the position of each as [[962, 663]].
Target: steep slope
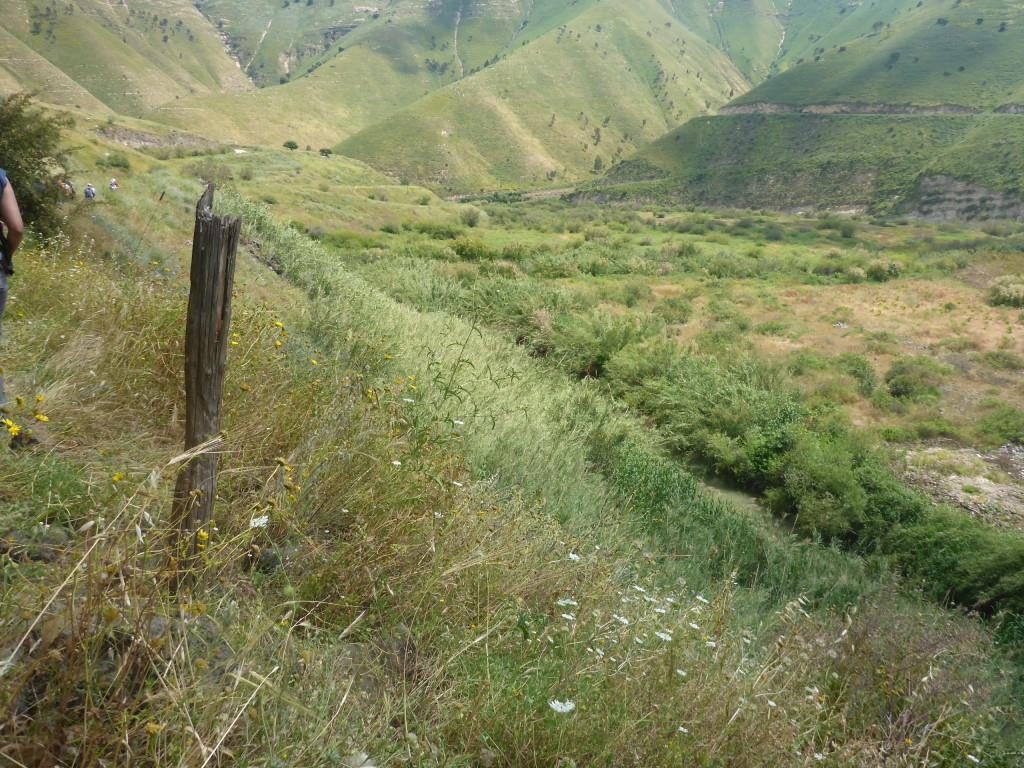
[[559, 107], [748, 31], [388, 58], [128, 58], [919, 113], [967, 53]]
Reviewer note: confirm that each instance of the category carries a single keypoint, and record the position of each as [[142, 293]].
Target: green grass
[[128, 63], [430, 593], [817, 161], [596, 88], [926, 55]]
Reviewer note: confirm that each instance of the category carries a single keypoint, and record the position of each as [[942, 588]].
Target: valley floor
[[447, 531]]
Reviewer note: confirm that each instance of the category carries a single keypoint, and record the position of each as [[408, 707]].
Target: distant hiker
[[11, 232], [113, 185], [89, 192]]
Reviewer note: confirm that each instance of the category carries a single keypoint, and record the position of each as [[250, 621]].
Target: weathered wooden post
[[207, 331]]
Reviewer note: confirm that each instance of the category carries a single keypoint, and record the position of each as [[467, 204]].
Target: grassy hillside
[[128, 58], [792, 161], [557, 109], [468, 557], [406, 51], [968, 53]]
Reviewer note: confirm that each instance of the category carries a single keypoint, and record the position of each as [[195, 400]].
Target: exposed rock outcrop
[[944, 198]]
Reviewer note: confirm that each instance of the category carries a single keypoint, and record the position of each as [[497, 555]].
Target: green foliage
[[470, 217], [1002, 424], [860, 369], [1007, 291], [585, 343], [1002, 360], [820, 487], [31, 155], [291, 144], [915, 378]]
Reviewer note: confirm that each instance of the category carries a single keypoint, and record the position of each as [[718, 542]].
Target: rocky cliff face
[[944, 198]]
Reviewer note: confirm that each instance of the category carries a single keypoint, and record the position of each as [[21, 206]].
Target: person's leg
[[3, 303]]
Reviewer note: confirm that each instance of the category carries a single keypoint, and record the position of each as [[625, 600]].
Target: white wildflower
[[459, 423], [397, 463], [621, 619], [663, 636], [772, 704], [683, 730], [457, 484], [260, 522], [681, 672], [703, 599], [574, 557], [819, 756], [638, 588], [974, 760], [660, 611], [569, 617], [408, 400], [711, 644], [694, 626], [567, 602], [562, 707]]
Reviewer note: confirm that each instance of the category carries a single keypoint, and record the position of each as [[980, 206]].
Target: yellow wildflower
[[12, 429], [154, 728], [278, 344], [39, 398], [117, 477], [41, 417]]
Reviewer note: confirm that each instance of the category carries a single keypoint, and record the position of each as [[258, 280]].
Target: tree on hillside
[[30, 153]]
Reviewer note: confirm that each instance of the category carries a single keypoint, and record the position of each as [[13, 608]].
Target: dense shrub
[[585, 343], [29, 152], [914, 378], [1003, 424], [674, 310], [880, 271], [820, 487], [1007, 291], [860, 368]]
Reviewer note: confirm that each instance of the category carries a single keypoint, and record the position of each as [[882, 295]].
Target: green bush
[[117, 160], [880, 271], [30, 153], [1002, 424], [470, 217], [861, 370], [674, 310], [1002, 360], [915, 378], [1007, 291], [821, 489], [472, 249], [584, 343]]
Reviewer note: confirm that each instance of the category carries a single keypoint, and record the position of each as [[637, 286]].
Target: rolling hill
[[107, 58], [746, 102], [919, 113], [569, 103]]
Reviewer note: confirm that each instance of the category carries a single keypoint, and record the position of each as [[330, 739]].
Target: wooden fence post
[[207, 331]]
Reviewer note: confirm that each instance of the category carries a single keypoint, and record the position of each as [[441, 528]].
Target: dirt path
[[256, 52]]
